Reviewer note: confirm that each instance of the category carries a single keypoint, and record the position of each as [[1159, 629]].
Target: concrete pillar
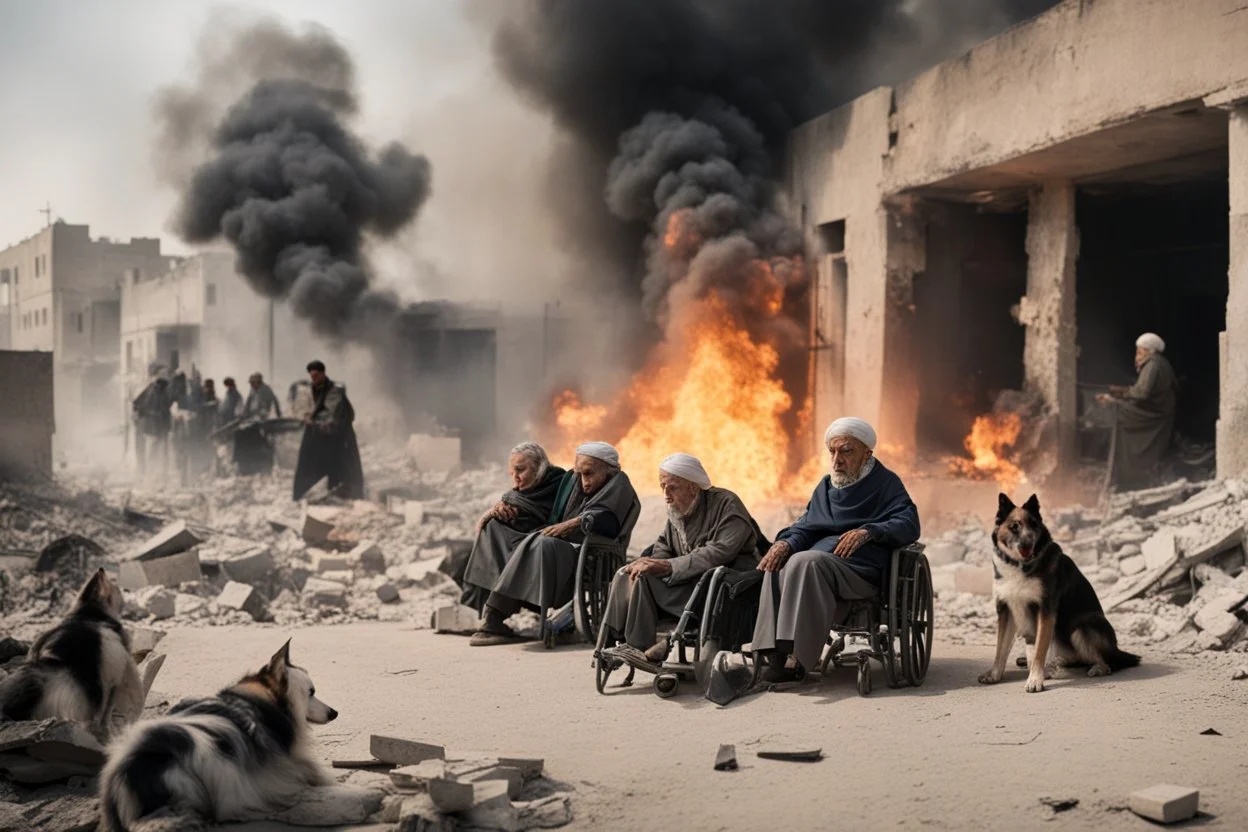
[[1232, 434], [1048, 312], [905, 259]]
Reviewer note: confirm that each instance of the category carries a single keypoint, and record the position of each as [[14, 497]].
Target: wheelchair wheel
[[666, 685], [916, 623], [864, 678], [890, 639]]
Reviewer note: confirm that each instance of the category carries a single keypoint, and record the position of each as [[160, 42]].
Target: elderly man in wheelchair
[[706, 528], [842, 552]]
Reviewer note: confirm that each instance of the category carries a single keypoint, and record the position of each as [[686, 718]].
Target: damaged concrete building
[[1014, 218], [60, 292]]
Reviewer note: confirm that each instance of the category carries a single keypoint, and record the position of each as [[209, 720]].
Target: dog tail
[[1121, 660]]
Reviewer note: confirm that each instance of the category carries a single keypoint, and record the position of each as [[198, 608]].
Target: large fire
[[710, 390], [989, 444]]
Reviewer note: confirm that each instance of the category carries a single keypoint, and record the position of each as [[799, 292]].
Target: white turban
[[1151, 341], [600, 450], [687, 468], [850, 426]]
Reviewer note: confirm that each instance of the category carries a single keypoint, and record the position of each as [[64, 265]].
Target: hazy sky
[[77, 81]]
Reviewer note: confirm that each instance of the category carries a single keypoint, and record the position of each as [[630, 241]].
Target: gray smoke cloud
[[296, 193]]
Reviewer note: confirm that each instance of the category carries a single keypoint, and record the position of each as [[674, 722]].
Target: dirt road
[[951, 755]]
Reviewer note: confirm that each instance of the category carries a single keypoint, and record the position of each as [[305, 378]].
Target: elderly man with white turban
[[542, 570], [706, 527], [837, 551], [1144, 414]]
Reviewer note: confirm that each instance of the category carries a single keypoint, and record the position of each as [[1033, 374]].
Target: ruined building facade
[[1014, 218]]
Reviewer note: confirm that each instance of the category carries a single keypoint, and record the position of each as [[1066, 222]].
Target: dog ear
[[1004, 506], [96, 588], [1032, 506], [279, 663]]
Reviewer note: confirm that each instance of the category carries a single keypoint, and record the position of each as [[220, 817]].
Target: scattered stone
[[944, 552], [170, 540], [451, 796], [369, 557], [1132, 565], [726, 759], [1214, 619], [185, 604], [322, 593], [457, 619], [157, 601], [1059, 805], [317, 524], [1127, 550], [1160, 549], [143, 640], [1240, 674], [51, 749], [793, 756], [1211, 732], [330, 562], [547, 813], [148, 670], [419, 775], [491, 806], [434, 453], [387, 593], [170, 571], [237, 596], [342, 576], [413, 513], [422, 573], [418, 814], [255, 566], [403, 752], [1165, 803], [334, 805]]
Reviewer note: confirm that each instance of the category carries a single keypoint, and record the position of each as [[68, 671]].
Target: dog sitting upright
[[243, 752], [82, 668], [1040, 593]]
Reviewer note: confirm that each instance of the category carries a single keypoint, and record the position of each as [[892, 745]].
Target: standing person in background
[[231, 405], [329, 448], [261, 400], [153, 422]]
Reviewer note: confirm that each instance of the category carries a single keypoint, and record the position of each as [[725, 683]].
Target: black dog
[[1041, 594]]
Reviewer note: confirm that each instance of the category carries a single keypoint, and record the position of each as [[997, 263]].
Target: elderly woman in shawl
[[837, 551], [527, 507], [706, 527], [540, 572], [1143, 414]]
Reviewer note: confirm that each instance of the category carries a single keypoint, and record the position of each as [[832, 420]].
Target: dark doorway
[[970, 346], [1155, 261]]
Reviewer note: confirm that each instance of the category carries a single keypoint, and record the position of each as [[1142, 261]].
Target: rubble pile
[[1168, 564], [237, 550]]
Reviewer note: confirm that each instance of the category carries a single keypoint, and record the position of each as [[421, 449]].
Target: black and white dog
[[230, 757], [1041, 593], [82, 668]]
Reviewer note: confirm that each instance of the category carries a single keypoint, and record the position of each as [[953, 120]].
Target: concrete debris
[[143, 640], [318, 522], [322, 593], [368, 557], [244, 597], [456, 619], [48, 750], [1240, 674], [334, 805], [170, 540], [157, 601], [148, 670], [726, 759], [253, 566], [387, 593], [1165, 803], [403, 752], [170, 570], [1160, 549]]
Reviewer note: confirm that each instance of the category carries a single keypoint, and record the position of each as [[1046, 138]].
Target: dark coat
[[329, 448], [878, 503]]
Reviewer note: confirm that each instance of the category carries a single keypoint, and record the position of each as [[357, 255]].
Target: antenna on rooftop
[[47, 214]]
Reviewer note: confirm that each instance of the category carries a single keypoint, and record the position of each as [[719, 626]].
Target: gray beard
[[677, 519], [846, 480]]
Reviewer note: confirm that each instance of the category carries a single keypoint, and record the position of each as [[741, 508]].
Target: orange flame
[[575, 418], [989, 442]]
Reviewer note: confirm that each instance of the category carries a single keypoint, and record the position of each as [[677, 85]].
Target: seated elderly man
[[541, 571], [527, 507], [838, 550], [706, 527], [1144, 415]]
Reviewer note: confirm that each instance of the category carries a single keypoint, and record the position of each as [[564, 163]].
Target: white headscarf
[[850, 426], [687, 468], [600, 450], [1151, 341]]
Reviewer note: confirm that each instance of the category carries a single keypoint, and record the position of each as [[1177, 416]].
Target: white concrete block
[[254, 566], [170, 540], [401, 752], [322, 593], [170, 571], [368, 556], [330, 562], [1166, 803], [413, 513], [243, 597], [1159, 549], [1132, 565], [456, 618]]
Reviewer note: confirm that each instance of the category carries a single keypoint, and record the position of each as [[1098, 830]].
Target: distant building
[[60, 292], [1014, 218]]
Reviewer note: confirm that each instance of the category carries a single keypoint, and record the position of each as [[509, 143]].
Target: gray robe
[[717, 532], [1145, 423], [541, 571]]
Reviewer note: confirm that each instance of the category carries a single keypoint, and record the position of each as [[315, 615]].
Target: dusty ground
[[951, 755]]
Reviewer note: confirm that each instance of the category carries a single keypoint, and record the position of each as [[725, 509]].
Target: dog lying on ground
[[82, 668], [244, 752], [1040, 593]]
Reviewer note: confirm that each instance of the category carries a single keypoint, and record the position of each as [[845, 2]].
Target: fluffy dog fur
[[82, 668], [1041, 594], [243, 752]]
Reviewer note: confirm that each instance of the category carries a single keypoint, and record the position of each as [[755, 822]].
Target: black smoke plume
[[295, 193]]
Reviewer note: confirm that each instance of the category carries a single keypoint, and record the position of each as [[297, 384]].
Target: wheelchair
[[896, 626], [596, 565], [718, 616]]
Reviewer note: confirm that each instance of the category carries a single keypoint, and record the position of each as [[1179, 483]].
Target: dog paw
[[1035, 684], [1101, 669], [991, 677]]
